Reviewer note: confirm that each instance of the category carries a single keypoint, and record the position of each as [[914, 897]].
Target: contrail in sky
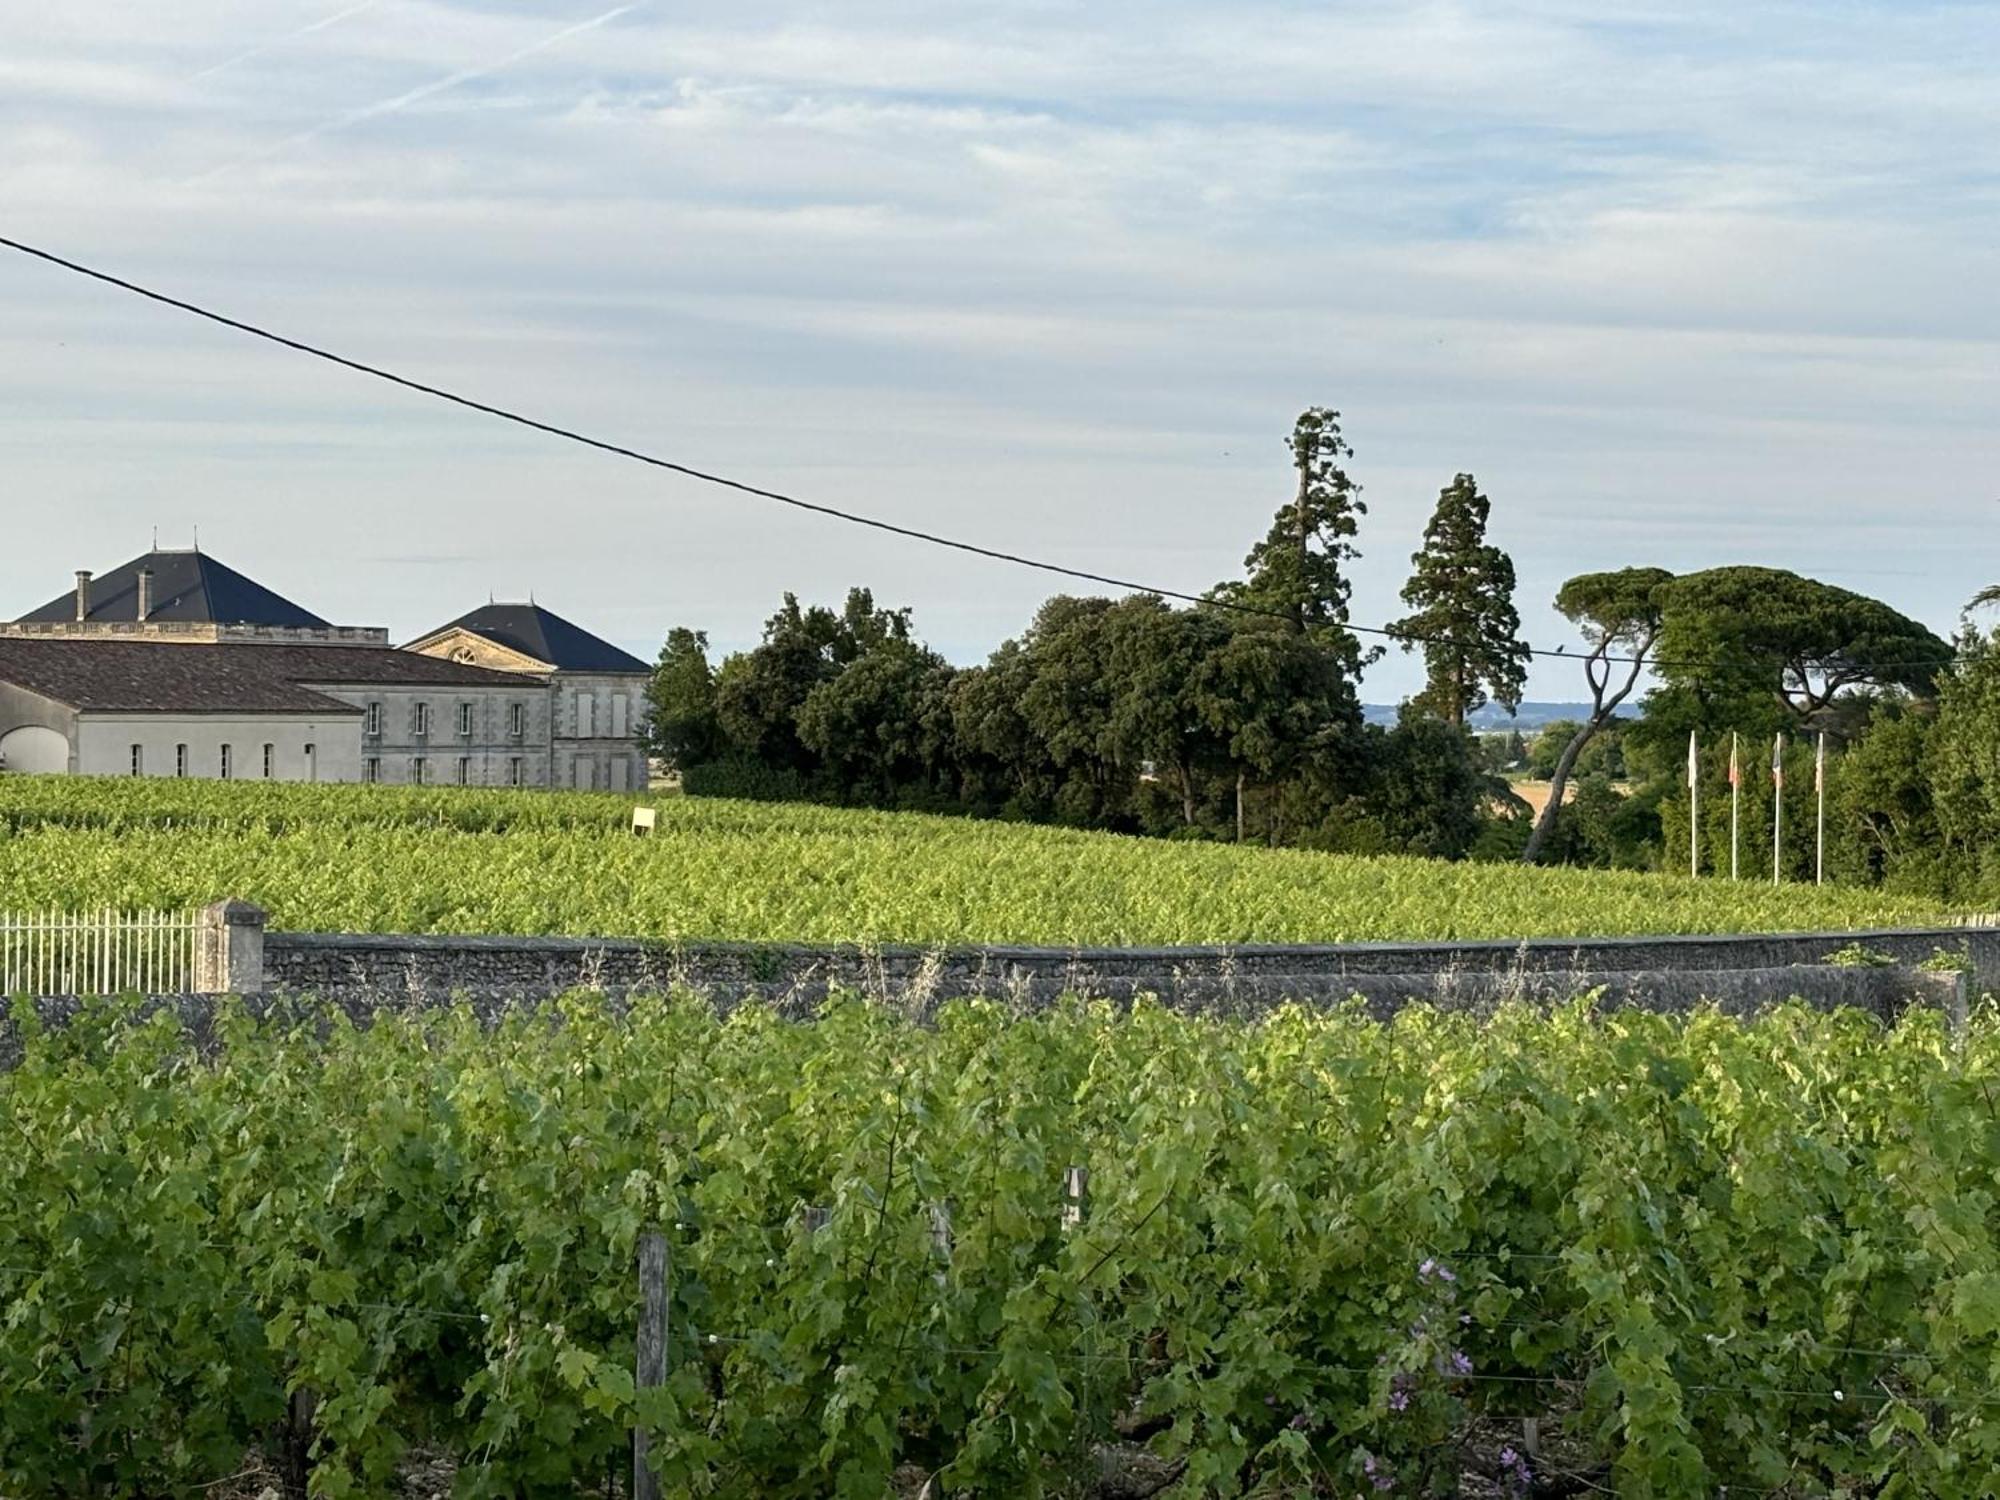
[[291, 36], [424, 91]]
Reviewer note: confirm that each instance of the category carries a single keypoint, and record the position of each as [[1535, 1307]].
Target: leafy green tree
[[1964, 762], [1273, 697], [1067, 699], [874, 726], [1463, 618], [1760, 650], [1428, 792], [1603, 754], [683, 729], [1883, 822], [759, 693], [1608, 829], [1157, 660], [1619, 616], [1004, 768], [1298, 571]]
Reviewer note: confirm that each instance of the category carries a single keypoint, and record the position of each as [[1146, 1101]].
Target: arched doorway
[[34, 751]]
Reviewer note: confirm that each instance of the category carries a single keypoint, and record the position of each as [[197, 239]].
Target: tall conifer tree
[[1298, 570], [1462, 592]]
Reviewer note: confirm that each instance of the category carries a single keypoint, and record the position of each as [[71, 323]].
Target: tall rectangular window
[[423, 720], [180, 760], [620, 714], [371, 769], [374, 725], [465, 721], [465, 770], [138, 760], [270, 761], [312, 761], [517, 721], [224, 763], [586, 715], [419, 772], [514, 770]]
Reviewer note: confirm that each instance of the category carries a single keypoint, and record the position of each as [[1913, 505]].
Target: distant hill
[[1494, 718]]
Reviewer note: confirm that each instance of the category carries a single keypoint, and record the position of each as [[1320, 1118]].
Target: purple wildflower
[[1515, 1473], [1300, 1422], [1460, 1365], [1399, 1401], [1377, 1476]]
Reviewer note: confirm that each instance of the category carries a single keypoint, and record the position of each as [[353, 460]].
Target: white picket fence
[[99, 953]]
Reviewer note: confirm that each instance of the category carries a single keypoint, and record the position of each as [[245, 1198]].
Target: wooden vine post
[[651, 1369]]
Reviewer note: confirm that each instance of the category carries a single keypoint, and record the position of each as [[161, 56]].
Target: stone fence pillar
[[230, 955]]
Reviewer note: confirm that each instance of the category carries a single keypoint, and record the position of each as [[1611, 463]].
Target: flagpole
[[1735, 803], [1694, 806], [1819, 791], [1777, 806]]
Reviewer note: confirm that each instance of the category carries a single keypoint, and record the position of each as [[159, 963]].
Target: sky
[[1683, 285]]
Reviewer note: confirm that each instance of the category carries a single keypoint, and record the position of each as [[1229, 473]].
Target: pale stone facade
[[597, 717], [455, 736], [217, 747]]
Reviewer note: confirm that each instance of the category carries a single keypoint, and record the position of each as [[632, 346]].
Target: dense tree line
[[1237, 718], [1240, 717]]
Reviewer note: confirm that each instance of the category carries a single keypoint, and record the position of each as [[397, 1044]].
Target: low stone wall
[[528, 968]]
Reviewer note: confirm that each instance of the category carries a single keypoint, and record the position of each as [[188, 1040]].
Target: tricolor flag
[[1819, 764], [1778, 762], [1694, 759], [1735, 771]]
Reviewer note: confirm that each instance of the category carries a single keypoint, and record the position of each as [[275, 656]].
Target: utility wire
[[853, 518]]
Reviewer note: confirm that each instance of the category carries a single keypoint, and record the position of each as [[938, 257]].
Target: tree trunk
[[1558, 784], [1305, 548], [1239, 807], [1187, 795]]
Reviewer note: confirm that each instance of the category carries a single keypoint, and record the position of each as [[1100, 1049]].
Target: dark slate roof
[[188, 587], [99, 676], [358, 666], [547, 637]]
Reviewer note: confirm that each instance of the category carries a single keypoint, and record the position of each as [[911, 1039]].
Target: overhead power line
[[853, 518]]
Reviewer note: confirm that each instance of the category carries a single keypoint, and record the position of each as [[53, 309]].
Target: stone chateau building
[[177, 665]]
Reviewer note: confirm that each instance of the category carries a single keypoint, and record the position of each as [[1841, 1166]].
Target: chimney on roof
[[83, 593], [145, 594]]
